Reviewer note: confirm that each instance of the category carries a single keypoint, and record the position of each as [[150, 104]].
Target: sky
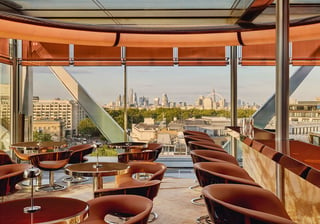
[[181, 84]]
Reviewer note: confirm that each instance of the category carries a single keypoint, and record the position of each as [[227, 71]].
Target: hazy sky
[[104, 84]]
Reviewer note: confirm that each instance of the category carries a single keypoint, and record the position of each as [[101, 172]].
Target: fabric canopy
[[42, 54], [27, 28]]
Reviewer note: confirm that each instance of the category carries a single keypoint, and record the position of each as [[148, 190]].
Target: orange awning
[[306, 53], [256, 55]]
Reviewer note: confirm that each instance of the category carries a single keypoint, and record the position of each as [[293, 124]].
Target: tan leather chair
[[50, 162], [189, 138], [145, 155], [219, 172], [136, 207], [10, 176], [205, 145], [203, 155], [238, 203], [155, 147], [149, 189], [155, 170], [77, 155]]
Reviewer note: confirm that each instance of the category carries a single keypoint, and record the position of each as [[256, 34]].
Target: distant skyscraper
[[199, 101], [135, 99], [119, 101], [156, 101], [131, 97], [207, 103], [165, 101]]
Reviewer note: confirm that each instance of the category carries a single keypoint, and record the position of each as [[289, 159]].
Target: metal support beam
[[267, 111], [282, 89], [125, 94], [234, 94], [104, 122], [15, 135]]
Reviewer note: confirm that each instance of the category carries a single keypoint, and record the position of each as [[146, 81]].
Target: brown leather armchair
[[145, 155], [148, 189], [5, 158], [155, 170], [202, 155], [219, 172], [238, 203], [136, 207], [207, 139], [10, 176], [50, 162], [155, 147], [205, 145], [78, 153]]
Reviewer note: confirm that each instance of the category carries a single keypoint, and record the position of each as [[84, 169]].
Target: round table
[[53, 210], [127, 145], [97, 172], [39, 145]]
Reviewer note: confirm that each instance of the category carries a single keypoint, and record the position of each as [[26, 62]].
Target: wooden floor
[[172, 203]]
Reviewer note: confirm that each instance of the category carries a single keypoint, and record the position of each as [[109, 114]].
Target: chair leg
[[153, 216], [195, 201], [52, 186], [75, 179], [204, 219]]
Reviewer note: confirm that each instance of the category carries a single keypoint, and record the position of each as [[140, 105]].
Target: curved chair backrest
[[189, 138], [237, 204], [62, 157], [78, 153], [221, 172], [193, 145], [138, 208], [5, 158], [10, 175], [155, 146], [149, 189], [21, 155], [145, 155], [157, 171], [201, 155]]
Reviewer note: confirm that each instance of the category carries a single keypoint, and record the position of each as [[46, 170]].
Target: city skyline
[[183, 84], [164, 100]]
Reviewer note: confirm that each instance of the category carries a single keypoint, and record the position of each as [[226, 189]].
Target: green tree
[[137, 115], [86, 127], [41, 137]]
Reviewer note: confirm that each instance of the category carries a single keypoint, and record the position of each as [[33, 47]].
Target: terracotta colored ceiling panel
[[256, 55], [178, 40], [149, 56], [306, 52], [96, 55], [41, 53], [4, 51], [41, 33], [197, 56]]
